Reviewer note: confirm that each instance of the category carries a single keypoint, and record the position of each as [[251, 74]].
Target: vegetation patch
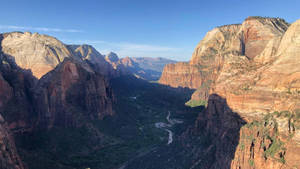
[[266, 130], [196, 103], [251, 162]]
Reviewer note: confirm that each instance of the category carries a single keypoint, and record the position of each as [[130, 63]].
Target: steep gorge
[[68, 106]]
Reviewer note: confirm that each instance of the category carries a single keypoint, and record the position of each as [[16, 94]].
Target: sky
[[137, 28]]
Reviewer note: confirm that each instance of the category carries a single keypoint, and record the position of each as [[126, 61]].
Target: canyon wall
[[253, 66], [46, 84]]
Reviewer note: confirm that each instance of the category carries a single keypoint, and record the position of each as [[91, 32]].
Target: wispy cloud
[[135, 49], [90, 42], [42, 29], [124, 46], [145, 48]]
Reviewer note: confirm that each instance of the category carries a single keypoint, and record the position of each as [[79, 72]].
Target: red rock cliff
[[254, 68]]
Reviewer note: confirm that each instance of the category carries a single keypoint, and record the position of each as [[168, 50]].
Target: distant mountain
[[156, 64], [146, 67]]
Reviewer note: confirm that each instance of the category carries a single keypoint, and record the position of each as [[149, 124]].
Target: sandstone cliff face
[[113, 59], [256, 87], [181, 75], [9, 158], [263, 89], [261, 34], [207, 59], [90, 54], [253, 67], [45, 84], [220, 125], [71, 92], [267, 144], [256, 38], [16, 98], [15, 112], [39, 53]]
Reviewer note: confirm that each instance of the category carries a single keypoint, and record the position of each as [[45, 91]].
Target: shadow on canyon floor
[[207, 139], [210, 144]]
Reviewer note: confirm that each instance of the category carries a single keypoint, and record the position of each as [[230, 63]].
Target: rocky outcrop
[[182, 75], [256, 39], [45, 84], [262, 35], [11, 81], [220, 126], [253, 88], [71, 93], [91, 55], [207, 59], [9, 158], [41, 53], [268, 143], [35, 52], [253, 66], [257, 87], [16, 97], [112, 57]]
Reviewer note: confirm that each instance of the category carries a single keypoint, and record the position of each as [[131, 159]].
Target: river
[[165, 126]]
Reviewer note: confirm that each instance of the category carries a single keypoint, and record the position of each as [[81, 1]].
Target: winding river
[[165, 126]]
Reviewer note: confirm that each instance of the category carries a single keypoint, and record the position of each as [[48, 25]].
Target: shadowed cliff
[[210, 144]]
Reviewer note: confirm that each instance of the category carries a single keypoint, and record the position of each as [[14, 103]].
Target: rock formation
[[71, 91], [253, 66], [38, 53], [9, 158], [90, 54], [246, 74], [45, 84]]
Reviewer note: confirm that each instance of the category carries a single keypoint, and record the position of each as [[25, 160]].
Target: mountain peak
[[112, 57]]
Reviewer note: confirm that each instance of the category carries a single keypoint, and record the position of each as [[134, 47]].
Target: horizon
[[168, 29]]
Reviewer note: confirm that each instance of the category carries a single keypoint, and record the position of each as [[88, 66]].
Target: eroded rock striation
[[71, 91], [9, 158], [89, 54], [39, 53], [253, 66], [45, 84]]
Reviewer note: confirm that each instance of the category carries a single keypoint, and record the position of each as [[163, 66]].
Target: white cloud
[[90, 42], [145, 48], [121, 46], [136, 50], [42, 29]]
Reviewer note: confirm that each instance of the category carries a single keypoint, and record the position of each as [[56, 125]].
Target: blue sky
[[151, 28]]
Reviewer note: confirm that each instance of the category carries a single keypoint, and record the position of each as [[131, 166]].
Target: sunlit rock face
[[261, 36], [39, 53], [206, 60], [45, 84], [235, 56], [89, 54], [255, 68], [181, 75]]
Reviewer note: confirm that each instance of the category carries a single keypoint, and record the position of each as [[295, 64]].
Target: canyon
[[235, 104], [252, 68]]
